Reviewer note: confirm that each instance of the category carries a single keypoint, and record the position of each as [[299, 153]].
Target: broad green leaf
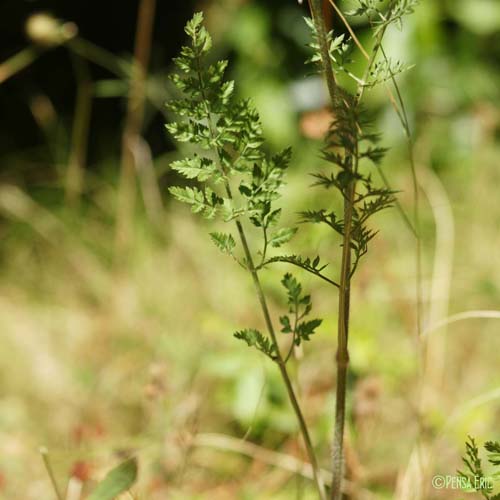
[[117, 481]]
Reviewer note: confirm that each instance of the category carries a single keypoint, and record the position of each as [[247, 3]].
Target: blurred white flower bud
[[47, 31]]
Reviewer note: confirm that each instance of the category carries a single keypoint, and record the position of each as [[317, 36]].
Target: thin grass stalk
[[99, 56], [403, 117], [44, 452], [134, 121], [80, 134], [148, 181]]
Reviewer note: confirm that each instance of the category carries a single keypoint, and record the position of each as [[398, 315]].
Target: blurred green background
[[111, 347]]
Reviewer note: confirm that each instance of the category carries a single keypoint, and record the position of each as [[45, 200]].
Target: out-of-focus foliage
[[95, 360]]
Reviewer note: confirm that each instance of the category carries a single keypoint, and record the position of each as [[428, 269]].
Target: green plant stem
[[400, 115], [319, 22], [250, 266], [403, 117], [270, 328], [80, 133], [269, 324], [18, 62], [342, 357], [281, 362], [48, 467]]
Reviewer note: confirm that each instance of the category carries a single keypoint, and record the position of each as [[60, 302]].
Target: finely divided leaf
[[285, 324], [206, 202], [293, 287], [299, 306], [196, 167], [224, 242], [254, 338], [282, 236], [307, 328], [493, 447]]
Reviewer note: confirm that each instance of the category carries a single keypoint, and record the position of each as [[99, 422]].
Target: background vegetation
[[114, 344]]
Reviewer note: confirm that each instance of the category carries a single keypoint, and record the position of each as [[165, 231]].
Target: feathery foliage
[[475, 479], [229, 131], [232, 178], [350, 147], [299, 306], [352, 150], [254, 338], [382, 16]]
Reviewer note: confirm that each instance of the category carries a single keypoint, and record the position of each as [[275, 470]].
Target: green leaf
[[299, 306], [338, 49], [198, 168], [254, 338], [385, 70], [202, 42], [117, 481], [286, 325], [313, 267], [282, 236], [322, 216], [366, 7], [224, 242], [245, 190], [194, 24], [293, 287], [205, 203], [493, 447], [307, 328], [191, 196]]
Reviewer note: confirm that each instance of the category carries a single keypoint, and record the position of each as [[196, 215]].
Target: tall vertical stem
[[134, 120], [319, 23], [342, 357], [342, 349], [344, 294]]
